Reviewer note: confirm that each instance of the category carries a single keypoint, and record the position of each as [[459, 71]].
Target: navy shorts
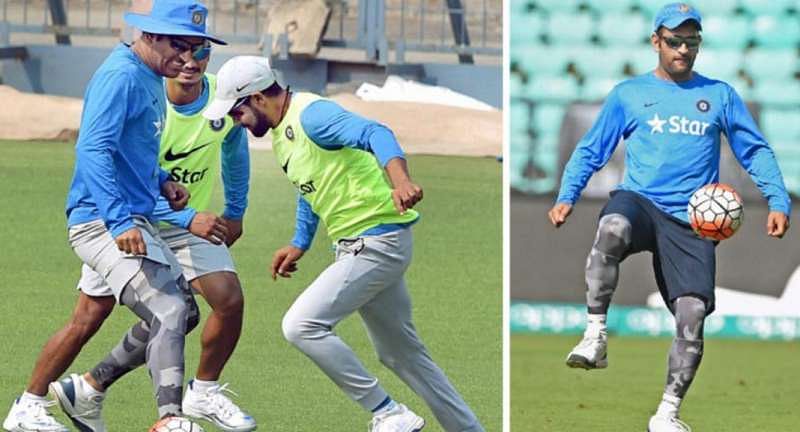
[[684, 263]]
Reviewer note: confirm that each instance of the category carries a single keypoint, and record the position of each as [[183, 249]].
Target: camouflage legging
[[168, 311], [687, 347]]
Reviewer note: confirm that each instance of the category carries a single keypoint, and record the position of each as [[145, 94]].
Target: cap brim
[[150, 25], [675, 22], [218, 108]]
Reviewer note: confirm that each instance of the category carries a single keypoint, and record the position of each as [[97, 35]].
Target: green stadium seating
[[650, 7], [542, 59], [570, 28], [547, 118], [612, 6], [526, 28], [722, 64], [776, 31], [520, 117], [742, 88], [623, 29], [558, 5], [781, 125], [518, 6], [767, 7], [552, 89], [768, 64], [642, 59], [777, 93], [726, 31], [598, 62], [596, 90]]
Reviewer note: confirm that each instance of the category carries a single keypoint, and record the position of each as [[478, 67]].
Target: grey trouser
[[367, 277]]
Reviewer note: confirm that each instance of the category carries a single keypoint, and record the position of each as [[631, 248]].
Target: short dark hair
[[273, 90]]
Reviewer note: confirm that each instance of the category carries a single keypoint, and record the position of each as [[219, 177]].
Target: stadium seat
[[726, 31], [742, 88], [781, 125], [715, 7], [547, 118], [596, 90], [623, 29], [769, 64], [542, 59], [552, 89], [722, 64], [520, 117], [526, 28], [776, 31], [777, 93], [767, 7], [558, 5], [642, 59], [597, 62], [519, 6], [570, 28], [612, 6]]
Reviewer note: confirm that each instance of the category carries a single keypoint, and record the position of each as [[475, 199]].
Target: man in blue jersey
[[671, 120], [340, 162], [110, 210]]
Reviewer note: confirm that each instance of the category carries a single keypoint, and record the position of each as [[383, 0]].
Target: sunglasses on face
[[239, 102], [199, 52], [675, 42]]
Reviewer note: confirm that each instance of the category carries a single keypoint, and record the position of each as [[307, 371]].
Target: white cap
[[239, 77]]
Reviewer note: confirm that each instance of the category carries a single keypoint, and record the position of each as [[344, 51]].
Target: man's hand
[[176, 194], [559, 213], [284, 262], [131, 242], [234, 230], [209, 226], [777, 224], [405, 195]]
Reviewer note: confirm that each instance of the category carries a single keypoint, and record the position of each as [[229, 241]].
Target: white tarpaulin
[[398, 89]]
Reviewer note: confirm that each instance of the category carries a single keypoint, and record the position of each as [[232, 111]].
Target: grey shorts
[[195, 256], [95, 246]]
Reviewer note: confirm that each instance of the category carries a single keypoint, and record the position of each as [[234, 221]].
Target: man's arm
[[235, 180], [284, 261], [757, 158]]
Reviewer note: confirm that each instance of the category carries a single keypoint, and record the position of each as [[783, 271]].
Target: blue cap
[[675, 14], [174, 18]]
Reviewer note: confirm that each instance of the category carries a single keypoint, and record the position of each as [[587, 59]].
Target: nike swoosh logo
[[238, 89], [286, 165], [650, 104], [169, 156]]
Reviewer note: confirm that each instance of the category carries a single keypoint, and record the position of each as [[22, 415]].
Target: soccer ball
[[715, 211], [176, 424]]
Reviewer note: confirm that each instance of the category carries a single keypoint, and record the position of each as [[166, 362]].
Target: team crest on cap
[[290, 133], [684, 8], [703, 105], [217, 125], [197, 17]]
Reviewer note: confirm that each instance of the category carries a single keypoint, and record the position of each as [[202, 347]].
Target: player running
[[334, 158], [124, 104], [671, 120]]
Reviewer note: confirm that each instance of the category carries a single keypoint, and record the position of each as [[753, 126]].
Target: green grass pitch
[[741, 386], [455, 281]]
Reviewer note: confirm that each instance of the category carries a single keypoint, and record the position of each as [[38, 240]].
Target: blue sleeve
[[595, 148], [754, 154], [305, 225], [164, 213], [235, 173], [332, 127], [163, 176], [104, 115]]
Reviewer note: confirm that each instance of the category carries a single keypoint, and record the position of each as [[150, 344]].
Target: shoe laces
[[222, 402], [380, 418], [39, 410], [680, 423]]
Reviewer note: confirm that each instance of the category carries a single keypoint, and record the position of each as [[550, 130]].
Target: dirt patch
[[420, 128]]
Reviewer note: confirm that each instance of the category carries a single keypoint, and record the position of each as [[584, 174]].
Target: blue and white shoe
[[590, 353], [213, 405], [32, 416], [80, 403], [398, 419]]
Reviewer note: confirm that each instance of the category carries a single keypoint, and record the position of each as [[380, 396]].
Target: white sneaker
[[667, 424], [590, 353], [168, 424], [398, 419], [214, 406], [75, 400], [32, 416]]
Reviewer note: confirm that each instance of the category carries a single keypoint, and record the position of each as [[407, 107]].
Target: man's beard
[[262, 124]]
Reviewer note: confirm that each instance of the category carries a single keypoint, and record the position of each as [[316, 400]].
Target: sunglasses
[[199, 52], [239, 102], [675, 42]]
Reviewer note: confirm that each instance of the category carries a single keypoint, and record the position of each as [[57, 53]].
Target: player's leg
[[338, 291], [28, 412], [623, 229], [388, 321]]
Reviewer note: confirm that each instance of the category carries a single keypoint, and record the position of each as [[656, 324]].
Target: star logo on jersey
[[159, 124], [656, 124]]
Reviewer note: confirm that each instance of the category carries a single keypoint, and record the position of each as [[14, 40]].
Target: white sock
[[596, 325], [30, 397], [669, 406], [201, 385], [386, 408]]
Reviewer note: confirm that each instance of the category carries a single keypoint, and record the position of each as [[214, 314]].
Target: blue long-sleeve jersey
[[235, 162], [672, 142], [116, 157], [332, 127]]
